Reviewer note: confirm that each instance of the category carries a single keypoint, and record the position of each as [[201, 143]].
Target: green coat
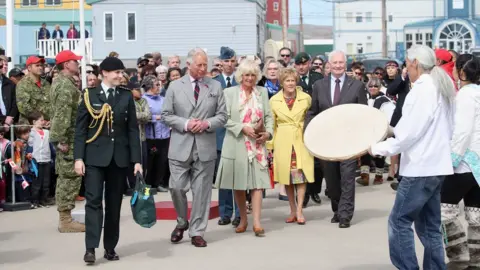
[[30, 97], [234, 170]]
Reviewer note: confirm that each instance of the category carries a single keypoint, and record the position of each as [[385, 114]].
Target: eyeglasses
[[317, 63], [358, 73], [285, 55], [373, 86], [89, 71]]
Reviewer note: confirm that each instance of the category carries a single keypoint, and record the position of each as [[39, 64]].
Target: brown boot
[[67, 225], [364, 179]]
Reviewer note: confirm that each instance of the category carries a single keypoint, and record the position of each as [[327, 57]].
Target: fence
[[49, 48]]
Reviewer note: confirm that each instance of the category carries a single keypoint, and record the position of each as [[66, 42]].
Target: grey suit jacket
[[353, 91], [180, 106]]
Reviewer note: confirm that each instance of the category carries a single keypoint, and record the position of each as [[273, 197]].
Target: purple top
[[162, 131]]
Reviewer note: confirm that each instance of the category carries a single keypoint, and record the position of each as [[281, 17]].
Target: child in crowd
[[42, 158], [21, 163], [5, 145]]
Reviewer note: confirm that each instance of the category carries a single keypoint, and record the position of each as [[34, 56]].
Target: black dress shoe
[[344, 224], [316, 198], [236, 222], [224, 221], [89, 256], [111, 255], [305, 201], [335, 219]]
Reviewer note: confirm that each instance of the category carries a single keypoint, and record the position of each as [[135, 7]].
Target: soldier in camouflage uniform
[[65, 98], [33, 92]]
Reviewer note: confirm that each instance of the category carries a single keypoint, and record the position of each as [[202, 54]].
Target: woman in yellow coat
[[293, 164]]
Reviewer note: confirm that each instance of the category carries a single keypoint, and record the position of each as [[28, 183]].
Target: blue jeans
[[225, 204], [418, 202]]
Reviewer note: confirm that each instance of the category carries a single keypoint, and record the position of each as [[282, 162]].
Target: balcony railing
[[49, 48]]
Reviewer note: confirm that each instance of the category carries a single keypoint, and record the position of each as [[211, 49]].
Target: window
[[275, 6], [108, 26], [390, 18], [29, 3], [369, 47], [53, 2], [275, 22], [428, 39], [408, 40], [131, 26], [349, 16], [419, 38], [349, 48], [368, 17], [359, 18]]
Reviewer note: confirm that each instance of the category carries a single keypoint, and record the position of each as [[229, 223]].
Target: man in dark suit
[[8, 104], [106, 155], [334, 90], [225, 196], [303, 64]]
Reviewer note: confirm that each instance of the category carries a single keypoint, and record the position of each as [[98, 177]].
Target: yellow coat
[[288, 132]]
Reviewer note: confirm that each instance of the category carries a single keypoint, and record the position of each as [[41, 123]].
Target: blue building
[[448, 24]]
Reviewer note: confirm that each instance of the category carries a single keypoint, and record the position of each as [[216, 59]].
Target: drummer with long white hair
[[423, 137]]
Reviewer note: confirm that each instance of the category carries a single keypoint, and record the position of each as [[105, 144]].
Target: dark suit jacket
[[312, 78], [9, 99], [220, 132], [122, 143], [399, 88], [353, 91]]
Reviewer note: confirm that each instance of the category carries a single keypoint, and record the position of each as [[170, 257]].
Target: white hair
[[161, 68], [426, 59], [248, 67], [333, 53], [194, 52]]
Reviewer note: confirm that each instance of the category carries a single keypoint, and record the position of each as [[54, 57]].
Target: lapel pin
[[117, 92], [101, 92]]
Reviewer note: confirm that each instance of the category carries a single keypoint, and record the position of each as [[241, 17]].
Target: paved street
[[30, 240]]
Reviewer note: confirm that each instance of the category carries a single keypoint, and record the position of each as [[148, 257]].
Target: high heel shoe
[[301, 221], [241, 229], [291, 220], [259, 232]]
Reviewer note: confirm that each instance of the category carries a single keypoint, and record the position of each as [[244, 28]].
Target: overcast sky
[[314, 12]]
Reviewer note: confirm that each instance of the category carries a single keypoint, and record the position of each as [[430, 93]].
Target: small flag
[[25, 184]]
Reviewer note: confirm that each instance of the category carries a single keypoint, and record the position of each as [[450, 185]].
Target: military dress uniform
[[107, 151], [306, 82]]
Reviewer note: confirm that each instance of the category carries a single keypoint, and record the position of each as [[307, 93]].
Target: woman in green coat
[[243, 165]]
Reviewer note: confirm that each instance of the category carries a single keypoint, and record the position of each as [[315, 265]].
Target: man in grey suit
[[194, 108], [334, 90]]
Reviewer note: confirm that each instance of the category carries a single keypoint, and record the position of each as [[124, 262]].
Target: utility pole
[[284, 23], [301, 28], [384, 29], [10, 6]]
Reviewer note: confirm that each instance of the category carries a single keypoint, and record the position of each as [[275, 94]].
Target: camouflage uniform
[[65, 98], [30, 97]]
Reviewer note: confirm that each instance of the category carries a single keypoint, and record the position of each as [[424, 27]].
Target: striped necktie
[[197, 90]]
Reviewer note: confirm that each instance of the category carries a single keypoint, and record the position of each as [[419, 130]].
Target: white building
[[449, 24], [173, 27]]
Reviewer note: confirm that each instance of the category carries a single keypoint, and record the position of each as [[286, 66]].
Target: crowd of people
[[238, 127]]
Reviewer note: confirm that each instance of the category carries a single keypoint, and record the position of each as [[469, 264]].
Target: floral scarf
[[251, 111]]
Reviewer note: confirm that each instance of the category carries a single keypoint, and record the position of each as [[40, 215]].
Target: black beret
[[111, 64], [302, 57]]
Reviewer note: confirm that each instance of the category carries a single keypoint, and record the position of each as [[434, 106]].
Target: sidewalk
[[30, 240]]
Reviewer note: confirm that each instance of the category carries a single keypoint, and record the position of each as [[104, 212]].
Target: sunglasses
[[285, 55], [378, 73], [89, 71], [374, 86], [317, 63], [217, 65], [358, 73]]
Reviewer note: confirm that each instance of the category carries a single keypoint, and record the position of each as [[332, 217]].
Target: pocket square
[[213, 94], [97, 104]]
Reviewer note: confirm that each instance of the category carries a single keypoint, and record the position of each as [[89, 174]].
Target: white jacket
[[466, 136], [423, 134]]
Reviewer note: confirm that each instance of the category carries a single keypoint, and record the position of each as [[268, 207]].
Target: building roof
[[278, 27], [90, 2], [425, 23], [46, 15]]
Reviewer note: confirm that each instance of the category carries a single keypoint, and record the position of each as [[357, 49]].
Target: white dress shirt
[[423, 133], [333, 84], [225, 76], [3, 109], [105, 89]]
